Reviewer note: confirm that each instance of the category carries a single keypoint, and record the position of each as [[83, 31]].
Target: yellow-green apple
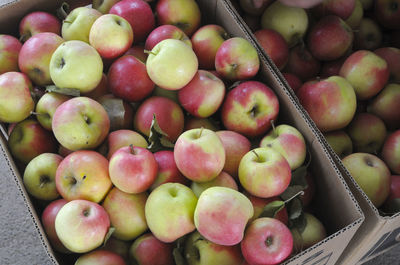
[[126, 212], [313, 233], [169, 211], [200, 251], [392, 57], [83, 175], [165, 32], [371, 174], [15, 97], [249, 108], [120, 112], [340, 142], [139, 15], [291, 22], [111, 25], [199, 154], [185, 14], [391, 152], [148, 250], [37, 22], [138, 52], [29, 139], [82, 225], [392, 202], [48, 219], [266, 241], [39, 176], [237, 59], [169, 116], [367, 133], [171, 64], [236, 146], [274, 45], [302, 64], [366, 72], [331, 103], [77, 65], [222, 180], [206, 41], [330, 38], [100, 90], [167, 169], [76, 26], [100, 257], [301, 3], [260, 203], [203, 95], [9, 51], [368, 35], [47, 105], [254, 7], [103, 6], [387, 12], [264, 172], [80, 123], [293, 81], [221, 215], [128, 79], [354, 19], [289, 142], [121, 138], [194, 122], [330, 68], [340, 8], [125, 172], [117, 246]]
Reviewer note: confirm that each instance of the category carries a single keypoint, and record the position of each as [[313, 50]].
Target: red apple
[[193, 122], [274, 45], [387, 12], [331, 68], [391, 152], [165, 32], [392, 57], [340, 8], [138, 52], [394, 194], [260, 203], [9, 51], [302, 64], [37, 22], [293, 81], [148, 250], [100, 257], [121, 138]]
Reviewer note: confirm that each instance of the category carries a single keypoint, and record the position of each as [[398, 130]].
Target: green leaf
[[62, 11], [299, 177], [291, 191], [65, 91], [157, 138], [295, 208], [272, 208], [108, 235]]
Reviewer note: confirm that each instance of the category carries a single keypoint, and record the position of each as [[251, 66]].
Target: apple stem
[[200, 132], [268, 241], [254, 151], [132, 150], [67, 21], [273, 128], [38, 114], [25, 36], [150, 52], [318, 78], [294, 196]]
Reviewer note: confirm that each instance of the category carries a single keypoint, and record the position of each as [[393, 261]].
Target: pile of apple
[[342, 59], [158, 139]]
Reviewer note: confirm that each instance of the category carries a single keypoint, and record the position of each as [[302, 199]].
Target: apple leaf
[[300, 173], [295, 208], [108, 235], [272, 208], [158, 139], [65, 91], [62, 11], [116, 112], [291, 192], [178, 251]]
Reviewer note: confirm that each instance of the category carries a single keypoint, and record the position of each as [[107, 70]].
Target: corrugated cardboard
[[336, 207]]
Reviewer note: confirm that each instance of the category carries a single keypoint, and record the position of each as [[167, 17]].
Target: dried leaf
[[116, 112], [65, 91], [63, 10], [295, 208], [157, 138], [108, 235]]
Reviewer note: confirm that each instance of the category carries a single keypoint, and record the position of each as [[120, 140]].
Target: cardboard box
[[336, 207]]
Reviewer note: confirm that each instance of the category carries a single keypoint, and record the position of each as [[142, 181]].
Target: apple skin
[[47, 105], [29, 139], [125, 173], [368, 35], [264, 172], [82, 225], [340, 142], [266, 241], [112, 106], [117, 246], [313, 233], [169, 116], [237, 59], [128, 79], [390, 205], [169, 211], [260, 203], [330, 115], [139, 15], [37, 22], [15, 97], [193, 123], [104, 6], [391, 152], [199, 145], [171, 64], [366, 72], [100, 257], [148, 250], [184, 14], [254, 8], [221, 215], [355, 18], [222, 180], [386, 105], [301, 3], [331, 68], [387, 12], [165, 32], [392, 57], [340, 8], [80, 123], [9, 51], [100, 90], [121, 138], [302, 64], [274, 45], [126, 212], [249, 108], [293, 81], [200, 251], [206, 41], [138, 52], [371, 174]]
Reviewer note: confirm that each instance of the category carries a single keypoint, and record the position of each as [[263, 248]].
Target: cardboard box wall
[[336, 208]]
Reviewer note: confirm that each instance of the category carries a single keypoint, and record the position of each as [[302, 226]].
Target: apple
[[340, 142], [330, 68], [313, 233], [391, 152], [222, 180], [274, 45], [46, 107], [249, 108], [171, 64], [391, 203], [169, 211], [100, 257], [302, 63], [392, 57], [293, 81], [291, 22], [104, 6], [165, 32], [29, 139], [15, 97], [100, 90], [148, 250], [37, 22], [260, 203], [237, 59], [354, 19], [371, 174], [221, 215], [340, 8], [264, 172], [82, 225], [83, 175], [165, 93], [194, 122], [366, 72], [387, 12], [266, 241], [39, 176], [199, 145], [335, 113], [368, 35], [254, 7], [9, 51], [138, 52], [117, 246], [121, 138], [301, 3]]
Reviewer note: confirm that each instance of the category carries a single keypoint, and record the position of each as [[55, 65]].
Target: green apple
[[47, 105], [355, 18], [312, 234], [222, 180], [340, 142], [104, 6]]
